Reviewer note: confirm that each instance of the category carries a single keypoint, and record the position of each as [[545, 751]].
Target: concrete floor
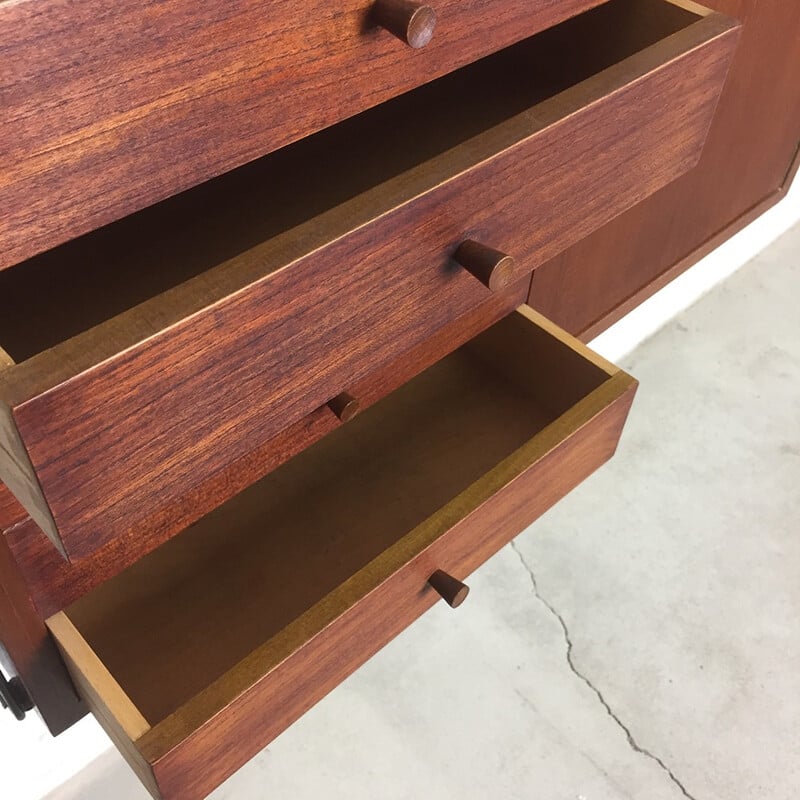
[[642, 640]]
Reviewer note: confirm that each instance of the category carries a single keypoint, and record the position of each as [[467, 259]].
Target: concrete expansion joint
[[634, 745]]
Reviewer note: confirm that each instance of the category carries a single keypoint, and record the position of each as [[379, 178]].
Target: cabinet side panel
[[25, 637], [748, 159]]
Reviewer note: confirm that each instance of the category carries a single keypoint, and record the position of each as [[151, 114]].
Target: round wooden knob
[[491, 267], [412, 22], [345, 406], [452, 590]]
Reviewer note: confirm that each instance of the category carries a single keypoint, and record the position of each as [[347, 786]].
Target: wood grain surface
[[109, 109], [55, 583], [25, 638], [399, 492], [146, 406], [297, 684], [746, 167]]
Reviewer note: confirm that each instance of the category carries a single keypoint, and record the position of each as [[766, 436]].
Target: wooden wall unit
[[33, 655], [202, 373], [253, 425], [749, 160]]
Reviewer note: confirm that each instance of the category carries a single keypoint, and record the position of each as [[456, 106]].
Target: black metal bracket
[[14, 696]]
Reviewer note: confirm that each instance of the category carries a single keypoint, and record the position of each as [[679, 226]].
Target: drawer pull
[[452, 590], [491, 267], [407, 20], [345, 406]]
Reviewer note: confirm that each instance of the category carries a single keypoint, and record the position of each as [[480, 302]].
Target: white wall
[[34, 763]]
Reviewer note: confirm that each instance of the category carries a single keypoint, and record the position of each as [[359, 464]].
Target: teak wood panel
[[54, 583], [25, 638], [110, 109], [528, 414], [148, 405], [746, 166], [35, 582], [169, 243]]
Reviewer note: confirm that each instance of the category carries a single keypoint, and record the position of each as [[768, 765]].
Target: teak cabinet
[[270, 380], [749, 160]]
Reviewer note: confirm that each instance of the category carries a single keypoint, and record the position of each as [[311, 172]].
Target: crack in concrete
[[634, 745], [557, 732]]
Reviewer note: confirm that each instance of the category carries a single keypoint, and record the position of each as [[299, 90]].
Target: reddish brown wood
[[55, 583], [26, 639], [11, 512], [450, 589], [664, 278], [411, 22], [321, 617], [745, 165], [794, 168], [147, 406], [704, 249], [255, 717], [168, 94], [491, 267]]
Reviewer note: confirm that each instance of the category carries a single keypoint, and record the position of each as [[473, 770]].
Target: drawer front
[[185, 746], [112, 425], [168, 94], [26, 649]]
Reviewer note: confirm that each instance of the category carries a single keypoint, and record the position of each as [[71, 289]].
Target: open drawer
[[202, 652], [169, 93], [171, 346]]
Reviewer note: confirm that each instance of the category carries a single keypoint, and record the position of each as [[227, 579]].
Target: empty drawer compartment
[[201, 653]]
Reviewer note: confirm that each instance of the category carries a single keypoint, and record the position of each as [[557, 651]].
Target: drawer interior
[[103, 274], [340, 516]]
